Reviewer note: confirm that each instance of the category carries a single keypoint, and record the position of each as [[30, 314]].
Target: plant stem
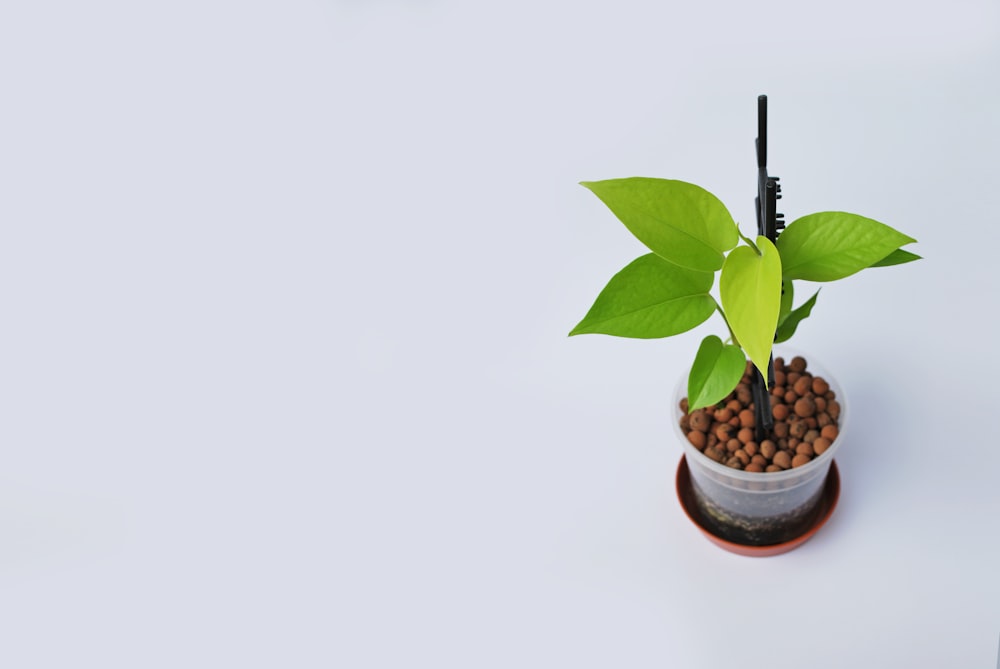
[[749, 241], [732, 335]]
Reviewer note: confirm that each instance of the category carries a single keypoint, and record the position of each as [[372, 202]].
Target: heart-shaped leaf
[[650, 298], [678, 221], [831, 245], [717, 369], [787, 328], [750, 288]]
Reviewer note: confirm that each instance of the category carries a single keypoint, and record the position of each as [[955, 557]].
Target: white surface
[[285, 289]]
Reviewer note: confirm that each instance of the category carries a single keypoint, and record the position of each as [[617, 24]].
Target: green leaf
[[717, 369], [650, 298], [787, 328], [787, 295], [750, 288], [678, 221], [897, 257], [831, 245]]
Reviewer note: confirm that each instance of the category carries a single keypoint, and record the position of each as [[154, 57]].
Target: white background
[[284, 295]]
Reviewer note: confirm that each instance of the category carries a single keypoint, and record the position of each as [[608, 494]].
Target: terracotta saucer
[[827, 503]]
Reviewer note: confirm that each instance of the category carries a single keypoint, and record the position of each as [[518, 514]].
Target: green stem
[[749, 241], [732, 335]]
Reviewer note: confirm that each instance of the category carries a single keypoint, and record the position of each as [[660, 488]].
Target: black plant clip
[[769, 224]]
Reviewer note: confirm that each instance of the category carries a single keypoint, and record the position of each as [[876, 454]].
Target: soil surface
[[805, 412]]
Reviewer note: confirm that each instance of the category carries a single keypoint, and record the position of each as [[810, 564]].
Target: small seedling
[[693, 236]]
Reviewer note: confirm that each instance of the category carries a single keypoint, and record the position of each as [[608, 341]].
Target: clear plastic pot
[[759, 509]]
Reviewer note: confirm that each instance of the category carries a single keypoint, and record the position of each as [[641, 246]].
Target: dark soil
[[758, 530]]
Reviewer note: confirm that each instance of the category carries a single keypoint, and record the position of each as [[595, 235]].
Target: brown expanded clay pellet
[[805, 412], [782, 459]]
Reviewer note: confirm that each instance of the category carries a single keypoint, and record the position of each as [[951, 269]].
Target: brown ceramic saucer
[[827, 503]]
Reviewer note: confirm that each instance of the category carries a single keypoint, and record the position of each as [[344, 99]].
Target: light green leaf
[[678, 221], [750, 288], [650, 298], [831, 245], [897, 257], [787, 328], [787, 295], [717, 369]]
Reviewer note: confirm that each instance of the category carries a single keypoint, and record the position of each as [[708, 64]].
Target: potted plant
[[759, 431]]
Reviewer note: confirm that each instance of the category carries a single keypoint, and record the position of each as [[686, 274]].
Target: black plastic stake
[[768, 225]]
